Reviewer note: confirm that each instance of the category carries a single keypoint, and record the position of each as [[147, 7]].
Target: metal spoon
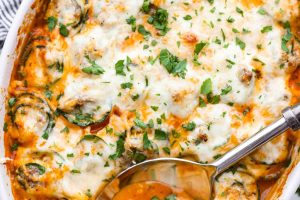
[[198, 179]]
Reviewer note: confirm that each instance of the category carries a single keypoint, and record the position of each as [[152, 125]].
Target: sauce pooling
[[151, 190]]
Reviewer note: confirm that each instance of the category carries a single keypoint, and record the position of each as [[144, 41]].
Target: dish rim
[[7, 58]]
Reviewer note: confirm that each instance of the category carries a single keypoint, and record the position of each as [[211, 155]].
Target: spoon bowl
[[193, 178]]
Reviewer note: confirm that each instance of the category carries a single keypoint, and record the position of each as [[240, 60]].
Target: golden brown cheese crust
[[103, 84]]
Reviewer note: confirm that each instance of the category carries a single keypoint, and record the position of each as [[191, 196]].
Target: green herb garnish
[[172, 63]]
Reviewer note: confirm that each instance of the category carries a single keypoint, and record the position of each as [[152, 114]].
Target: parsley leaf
[[51, 21], [189, 126], [63, 30], [285, 39], [132, 21], [160, 134], [262, 11], [213, 99], [12, 101], [206, 87], [240, 43], [210, 2], [199, 47], [146, 6], [94, 68], [127, 85], [172, 63], [160, 21], [266, 29], [187, 17], [167, 150], [119, 148], [147, 144], [238, 10], [226, 90], [119, 67], [143, 31], [140, 123]]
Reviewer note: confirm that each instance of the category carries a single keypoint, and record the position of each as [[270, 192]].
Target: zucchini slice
[[263, 171], [78, 117], [236, 185], [29, 175], [84, 112], [274, 152], [31, 114]]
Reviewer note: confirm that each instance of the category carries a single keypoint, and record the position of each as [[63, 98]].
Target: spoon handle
[[290, 119]]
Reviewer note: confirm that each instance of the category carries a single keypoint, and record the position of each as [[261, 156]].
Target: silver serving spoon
[[198, 179]]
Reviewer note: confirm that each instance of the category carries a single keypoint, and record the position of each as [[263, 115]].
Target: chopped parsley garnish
[[48, 94], [160, 134], [286, 38], [140, 123], [202, 103], [135, 97], [132, 21], [226, 90], [210, 2], [119, 67], [12, 101], [230, 20], [258, 60], [175, 134], [119, 148], [238, 10], [167, 150], [70, 155], [189, 126], [187, 17], [206, 87], [154, 108], [51, 21], [139, 157], [45, 136], [75, 171], [213, 99], [266, 29], [14, 147], [88, 193], [172, 63], [262, 11], [65, 130], [146, 6], [160, 21], [155, 198], [217, 156], [127, 85], [63, 30], [199, 47], [143, 31], [94, 69], [235, 30], [240, 43], [147, 144]]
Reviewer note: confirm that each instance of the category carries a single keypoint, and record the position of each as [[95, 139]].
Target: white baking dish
[[6, 65]]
